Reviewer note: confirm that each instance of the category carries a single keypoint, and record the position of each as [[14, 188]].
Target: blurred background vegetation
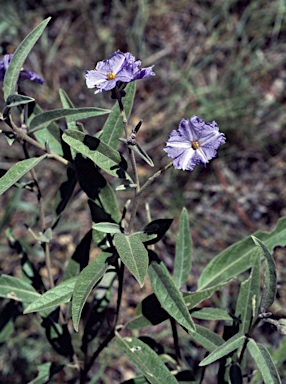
[[222, 60]]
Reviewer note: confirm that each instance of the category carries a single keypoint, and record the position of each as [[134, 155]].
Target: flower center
[[195, 145], [110, 76]]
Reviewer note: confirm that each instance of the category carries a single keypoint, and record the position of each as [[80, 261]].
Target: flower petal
[[194, 142]]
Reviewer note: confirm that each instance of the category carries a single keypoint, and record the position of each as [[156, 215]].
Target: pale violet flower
[[120, 67], [194, 142], [24, 73]]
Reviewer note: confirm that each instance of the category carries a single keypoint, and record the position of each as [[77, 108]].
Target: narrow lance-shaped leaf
[[270, 278], [109, 202], [86, 280], [50, 135], [107, 227], [100, 153], [20, 55], [206, 338], [248, 298], [16, 289], [263, 362], [223, 350], [210, 314], [237, 258], [16, 100], [182, 264], [140, 151], [192, 299], [113, 128], [18, 170], [146, 360], [60, 294], [67, 104], [133, 254], [45, 118], [167, 293]]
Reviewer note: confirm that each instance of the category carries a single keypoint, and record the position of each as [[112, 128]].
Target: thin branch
[[35, 143], [42, 221]]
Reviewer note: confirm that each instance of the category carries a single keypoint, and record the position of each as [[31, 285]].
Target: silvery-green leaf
[[16, 289], [100, 153], [86, 280], [133, 254], [20, 55], [18, 170], [113, 128], [206, 338], [146, 360], [107, 227], [248, 298], [270, 277], [45, 118], [60, 294], [237, 258], [223, 350], [167, 293], [182, 263], [264, 362]]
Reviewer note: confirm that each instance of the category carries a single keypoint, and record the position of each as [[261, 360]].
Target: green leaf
[[146, 360], [60, 294], [109, 202], [18, 170], [113, 128], [263, 362], [133, 254], [50, 135], [248, 298], [167, 293], [20, 55], [16, 99], [237, 258], [270, 277], [227, 347], [67, 104], [100, 153], [86, 280], [211, 314], [192, 299], [45, 118], [206, 338], [16, 289], [107, 227], [183, 259], [144, 237]]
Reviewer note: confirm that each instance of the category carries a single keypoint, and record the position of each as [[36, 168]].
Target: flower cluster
[[120, 67], [194, 142], [24, 74]]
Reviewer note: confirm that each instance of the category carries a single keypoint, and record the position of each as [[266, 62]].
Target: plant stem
[[35, 143], [42, 221], [176, 340]]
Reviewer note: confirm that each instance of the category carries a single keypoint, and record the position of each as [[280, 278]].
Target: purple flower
[[24, 74], [119, 67], [194, 142]]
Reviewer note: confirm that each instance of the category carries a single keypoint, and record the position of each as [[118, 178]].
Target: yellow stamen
[[195, 145], [111, 76]]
